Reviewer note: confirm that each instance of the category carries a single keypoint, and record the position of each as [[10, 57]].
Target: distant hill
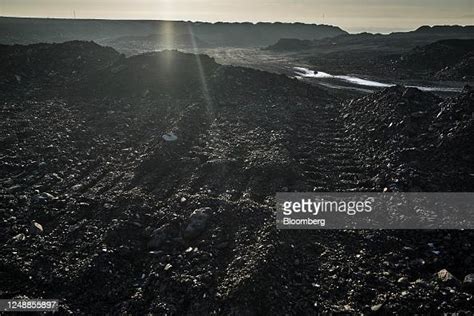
[[132, 45], [158, 40], [399, 40], [34, 30], [287, 44], [443, 30]]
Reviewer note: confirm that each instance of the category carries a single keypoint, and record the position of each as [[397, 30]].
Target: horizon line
[[215, 22]]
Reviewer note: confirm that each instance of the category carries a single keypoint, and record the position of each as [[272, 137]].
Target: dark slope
[[438, 57], [290, 44], [384, 42], [449, 59], [166, 73], [115, 199], [443, 53], [26, 31], [464, 69], [155, 42], [415, 140], [46, 65]]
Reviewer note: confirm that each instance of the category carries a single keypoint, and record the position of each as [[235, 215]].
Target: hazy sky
[[352, 15]]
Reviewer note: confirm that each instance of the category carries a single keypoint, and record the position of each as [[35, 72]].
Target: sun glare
[[202, 76]]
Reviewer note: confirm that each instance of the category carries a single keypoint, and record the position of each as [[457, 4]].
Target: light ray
[[205, 88]]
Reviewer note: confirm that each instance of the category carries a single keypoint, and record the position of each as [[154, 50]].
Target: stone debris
[[414, 136], [197, 223], [93, 197], [36, 228], [170, 137]]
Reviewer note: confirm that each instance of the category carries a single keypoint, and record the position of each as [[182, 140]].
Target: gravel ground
[[99, 210]]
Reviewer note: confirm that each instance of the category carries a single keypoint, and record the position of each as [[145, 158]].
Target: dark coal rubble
[[100, 210], [416, 140]]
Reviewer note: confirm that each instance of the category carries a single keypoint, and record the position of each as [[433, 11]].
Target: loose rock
[[197, 223]]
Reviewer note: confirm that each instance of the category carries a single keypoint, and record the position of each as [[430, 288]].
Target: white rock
[[170, 137], [36, 228]]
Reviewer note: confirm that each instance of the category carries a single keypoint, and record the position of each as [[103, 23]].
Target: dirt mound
[[415, 138], [58, 63], [435, 58], [116, 201], [167, 72], [453, 126], [99, 210], [463, 70]]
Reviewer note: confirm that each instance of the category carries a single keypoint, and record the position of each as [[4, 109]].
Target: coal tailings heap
[[59, 63], [439, 57], [464, 70], [102, 212], [414, 139], [116, 201], [454, 128], [167, 72]]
